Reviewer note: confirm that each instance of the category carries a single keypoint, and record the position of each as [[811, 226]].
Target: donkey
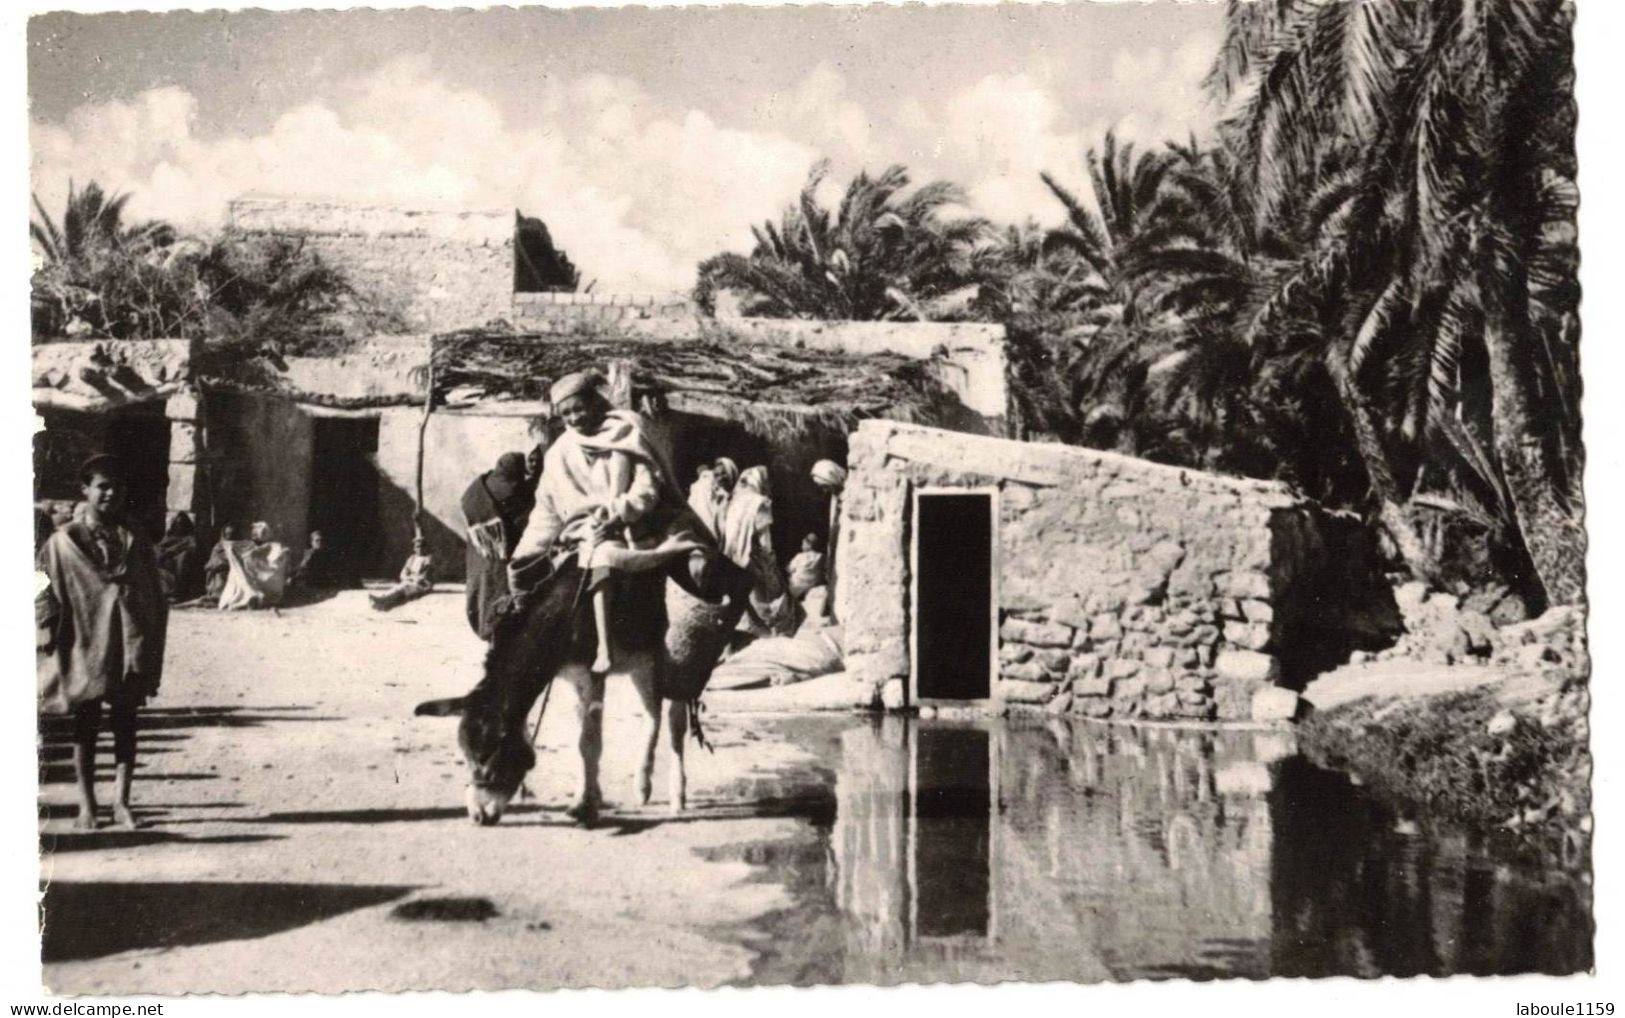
[[552, 636]]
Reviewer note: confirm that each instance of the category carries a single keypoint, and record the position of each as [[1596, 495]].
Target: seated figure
[[416, 580]]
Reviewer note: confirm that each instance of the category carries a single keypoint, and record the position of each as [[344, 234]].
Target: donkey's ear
[[441, 708]]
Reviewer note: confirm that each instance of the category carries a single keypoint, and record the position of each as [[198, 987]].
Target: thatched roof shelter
[[772, 390]]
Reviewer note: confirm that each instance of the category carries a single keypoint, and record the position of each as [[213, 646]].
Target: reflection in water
[[1052, 851]]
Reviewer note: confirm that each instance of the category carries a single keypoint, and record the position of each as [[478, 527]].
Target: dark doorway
[[137, 436], [953, 607], [344, 492], [139, 440], [953, 832]]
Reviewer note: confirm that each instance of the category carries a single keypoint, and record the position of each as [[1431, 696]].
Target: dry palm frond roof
[[768, 388]]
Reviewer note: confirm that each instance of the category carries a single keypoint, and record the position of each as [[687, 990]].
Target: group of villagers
[[603, 491]]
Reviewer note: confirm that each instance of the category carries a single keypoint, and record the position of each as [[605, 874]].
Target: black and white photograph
[[540, 498]]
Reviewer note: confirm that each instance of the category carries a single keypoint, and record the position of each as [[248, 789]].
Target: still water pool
[[1033, 850]]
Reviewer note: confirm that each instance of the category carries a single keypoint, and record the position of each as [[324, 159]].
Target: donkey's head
[[527, 650], [495, 745]]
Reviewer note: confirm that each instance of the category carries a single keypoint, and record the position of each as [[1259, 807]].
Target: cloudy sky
[[647, 139]]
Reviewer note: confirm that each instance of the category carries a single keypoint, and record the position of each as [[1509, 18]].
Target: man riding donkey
[[608, 519], [608, 496]]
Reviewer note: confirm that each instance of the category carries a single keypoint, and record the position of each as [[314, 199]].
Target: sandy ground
[[308, 833]]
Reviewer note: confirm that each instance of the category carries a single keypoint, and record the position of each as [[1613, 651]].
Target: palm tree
[[1432, 144], [91, 220], [1107, 237], [886, 252]]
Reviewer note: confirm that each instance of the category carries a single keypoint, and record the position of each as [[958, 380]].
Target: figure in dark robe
[[496, 508], [320, 568], [179, 560], [218, 568]]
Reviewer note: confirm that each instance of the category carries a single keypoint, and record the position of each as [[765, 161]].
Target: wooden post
[[621, 392], [423, 428]]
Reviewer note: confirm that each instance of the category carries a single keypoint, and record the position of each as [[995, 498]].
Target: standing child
[[101, 622]]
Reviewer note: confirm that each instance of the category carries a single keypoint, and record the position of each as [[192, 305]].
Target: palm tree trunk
[[1380, 476], [1553, 535]]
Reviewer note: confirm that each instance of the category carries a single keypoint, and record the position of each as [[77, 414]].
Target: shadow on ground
[[91, 841], [93, 920]]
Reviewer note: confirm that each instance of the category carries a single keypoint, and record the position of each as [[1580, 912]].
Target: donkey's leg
[[590, 710], [646, 680], [677, 721]]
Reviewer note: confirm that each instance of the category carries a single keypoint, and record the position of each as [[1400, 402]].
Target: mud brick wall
[[546, 311], [436, 271], [1126, 588]]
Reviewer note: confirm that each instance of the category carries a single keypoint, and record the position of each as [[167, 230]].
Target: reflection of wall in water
[[1135, 846], [871, 864], [1067, 821], [1073, 825]]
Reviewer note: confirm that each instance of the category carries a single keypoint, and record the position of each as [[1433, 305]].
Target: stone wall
[[1126, 588], [545, 311], [435, 270]]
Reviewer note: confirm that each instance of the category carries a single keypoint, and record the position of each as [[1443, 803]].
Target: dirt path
[[308, 832]]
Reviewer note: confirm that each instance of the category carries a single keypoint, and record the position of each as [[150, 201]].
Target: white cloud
[[637, 196], [637, 188], [1010, 129]]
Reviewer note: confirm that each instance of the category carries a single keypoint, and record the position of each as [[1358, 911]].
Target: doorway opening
[[137, 436], [344, 493], [951, 862], [954, 602]]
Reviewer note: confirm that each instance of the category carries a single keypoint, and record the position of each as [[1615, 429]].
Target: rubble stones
[[1275, 704], [1201, 635], [1122, 668], [1084, 666], [1250, 636], [1258, 611], [1016, 691], [1014, 653], [1248, 666], [893, 695], [1479, 630], [1192, 684], [1038, 634], [1056, 662], [1027, 671], [1092, 687], [1128, 689], [1105, 627]]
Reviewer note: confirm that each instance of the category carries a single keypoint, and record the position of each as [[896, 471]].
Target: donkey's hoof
[[584, 813], [646, 789], [678, 807]]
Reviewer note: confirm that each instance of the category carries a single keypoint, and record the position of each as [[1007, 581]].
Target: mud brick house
[[976, 568], [333, 443]]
